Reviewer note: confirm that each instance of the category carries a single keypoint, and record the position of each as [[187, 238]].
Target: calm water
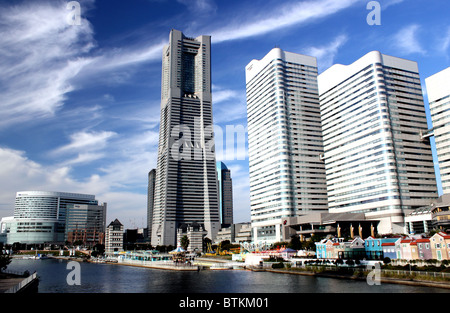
[[106, 278]]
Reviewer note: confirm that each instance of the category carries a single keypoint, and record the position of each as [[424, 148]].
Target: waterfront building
[[378, 159], [114, 238], [195, 235], [374, 246], [287, 176], [440, 213], [40, 216], [235, 233], [440, 246], [419, 221], [438, 91], [150, 200], [85, 223], [389, 250], [424, 249], [225, 194], [341, 225], [186, 179]]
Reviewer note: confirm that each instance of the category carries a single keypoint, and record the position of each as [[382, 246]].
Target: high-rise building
[[40, 216], [287, 176], [438, 90], [225, 185], [186, 180], [377, 159], [150, 200]]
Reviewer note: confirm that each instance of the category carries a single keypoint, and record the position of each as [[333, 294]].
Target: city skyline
[[80, 103]]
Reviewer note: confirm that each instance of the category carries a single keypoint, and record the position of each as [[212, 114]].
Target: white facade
[[114, 238], [287, 177], [376, 159], [438, 90], [40, 216]]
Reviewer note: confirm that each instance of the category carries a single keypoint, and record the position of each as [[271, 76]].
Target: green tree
[[184, 242], [295, 243], [4, 261]]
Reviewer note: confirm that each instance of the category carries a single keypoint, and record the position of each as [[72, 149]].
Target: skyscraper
[[377, 161], [186, 180], [287, 177], [150, 200], [225, 185], [438, 90]]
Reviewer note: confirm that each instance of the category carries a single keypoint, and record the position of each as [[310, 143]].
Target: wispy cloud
[[287, 15], [406, 40], [326, 54], [40, 53]]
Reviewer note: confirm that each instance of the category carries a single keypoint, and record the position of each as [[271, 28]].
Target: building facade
[[225, 193], [40, 216], [150, 201], [186, 179], [377, 159], [287, 177], [114, 238], [438, 91], [85, 223]]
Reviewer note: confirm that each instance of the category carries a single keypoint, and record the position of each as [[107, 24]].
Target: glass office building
[[40, 216]]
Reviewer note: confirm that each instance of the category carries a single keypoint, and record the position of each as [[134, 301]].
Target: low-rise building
[[440, 246], [114, 238]]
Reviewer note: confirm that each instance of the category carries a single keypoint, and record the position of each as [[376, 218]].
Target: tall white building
[[376, 157], [287, 177], [438, 90], [186, 179]]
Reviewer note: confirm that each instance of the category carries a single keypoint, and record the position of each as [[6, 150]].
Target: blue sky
[[79, 104]]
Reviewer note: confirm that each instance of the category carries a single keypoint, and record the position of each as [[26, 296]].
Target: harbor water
[[110, 278]]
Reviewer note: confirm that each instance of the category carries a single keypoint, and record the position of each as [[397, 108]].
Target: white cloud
[[446, 41], [406, 40], [25, 174], [85, 142], [40, 53], [326, 54], [288, 15]]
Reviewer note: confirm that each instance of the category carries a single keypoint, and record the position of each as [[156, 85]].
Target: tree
[[295, 243], [184, 242], [4, 261]]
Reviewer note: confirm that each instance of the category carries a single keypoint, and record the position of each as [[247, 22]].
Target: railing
[[384, 272], [22, 284]]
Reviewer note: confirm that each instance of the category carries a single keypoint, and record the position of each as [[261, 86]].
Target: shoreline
[[386, 280], [201, 267]]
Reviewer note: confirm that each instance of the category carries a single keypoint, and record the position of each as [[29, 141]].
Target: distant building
[[419, 221], [40, 216], [225, 186], [195, 233], [341, 225], [86, 223], [440, 212], [114, 238], [438, 92], [235, 233], [150, 201]]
